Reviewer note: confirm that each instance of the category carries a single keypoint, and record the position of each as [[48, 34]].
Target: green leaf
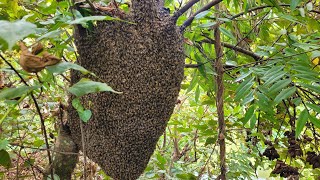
[[248, 98], [12, 32], [227, 33], [186, 176], [11, 93], [193, 82], [85, 115], [210, 140], [315, 107], [64, 66], [83, 20], [197, 94], [242, 76], [3, 143], [279, 85], [303, 117], [294, 4], [86, 86], [253, 121], [77, 104], [244, 88], [51, 34], [284, 94], [5, 159], [248, 115], [315, 121], [275, 77], [206, 25], [311, 87], [202, 14]]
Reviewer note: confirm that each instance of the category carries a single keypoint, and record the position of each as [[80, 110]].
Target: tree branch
[[262, 7], [219, 101], [185, 8], [204, 8], [235, 48]]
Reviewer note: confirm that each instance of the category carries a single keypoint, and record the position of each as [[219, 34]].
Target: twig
[[93, 8], [262, 7], [83, 150], [204, 8], [185, 8], [235, 48], [43, 128], [43, 149], [219, 101]]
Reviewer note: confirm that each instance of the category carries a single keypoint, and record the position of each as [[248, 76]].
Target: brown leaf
[[37, 48], [28, 61], [50, 59]]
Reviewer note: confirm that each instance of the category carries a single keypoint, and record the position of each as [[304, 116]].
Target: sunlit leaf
[[3, 143], [315, 107], [315, 121]]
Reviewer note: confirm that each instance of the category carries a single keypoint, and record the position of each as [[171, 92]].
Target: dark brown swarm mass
[[284, 170], [145, 61]]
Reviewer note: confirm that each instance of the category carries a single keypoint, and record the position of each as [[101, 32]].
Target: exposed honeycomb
[[145, 61]]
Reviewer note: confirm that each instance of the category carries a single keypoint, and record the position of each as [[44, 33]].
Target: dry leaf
[[32, 63], [37, 48]]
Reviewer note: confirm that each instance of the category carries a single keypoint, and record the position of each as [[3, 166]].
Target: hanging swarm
[[145, 61]]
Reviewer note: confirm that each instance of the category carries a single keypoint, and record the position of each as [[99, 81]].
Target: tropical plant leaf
[[284, 94]]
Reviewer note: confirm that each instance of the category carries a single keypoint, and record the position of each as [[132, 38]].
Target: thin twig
[[204, 8], [235, 48], [43, 149], [93, 8], [83, 150]]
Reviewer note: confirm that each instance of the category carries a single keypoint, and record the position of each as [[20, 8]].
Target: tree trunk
[[145, 61]]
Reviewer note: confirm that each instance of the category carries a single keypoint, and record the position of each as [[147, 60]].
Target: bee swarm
[[145, 61]]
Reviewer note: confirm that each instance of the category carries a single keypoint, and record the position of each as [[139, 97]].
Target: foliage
[[271, 93]]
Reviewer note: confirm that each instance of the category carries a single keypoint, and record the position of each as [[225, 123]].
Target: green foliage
[[265, 98], [86, 86], [11, 32]]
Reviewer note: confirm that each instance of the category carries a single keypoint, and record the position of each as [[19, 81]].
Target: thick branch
[[184, 9], [204, 8], [219, 102]]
